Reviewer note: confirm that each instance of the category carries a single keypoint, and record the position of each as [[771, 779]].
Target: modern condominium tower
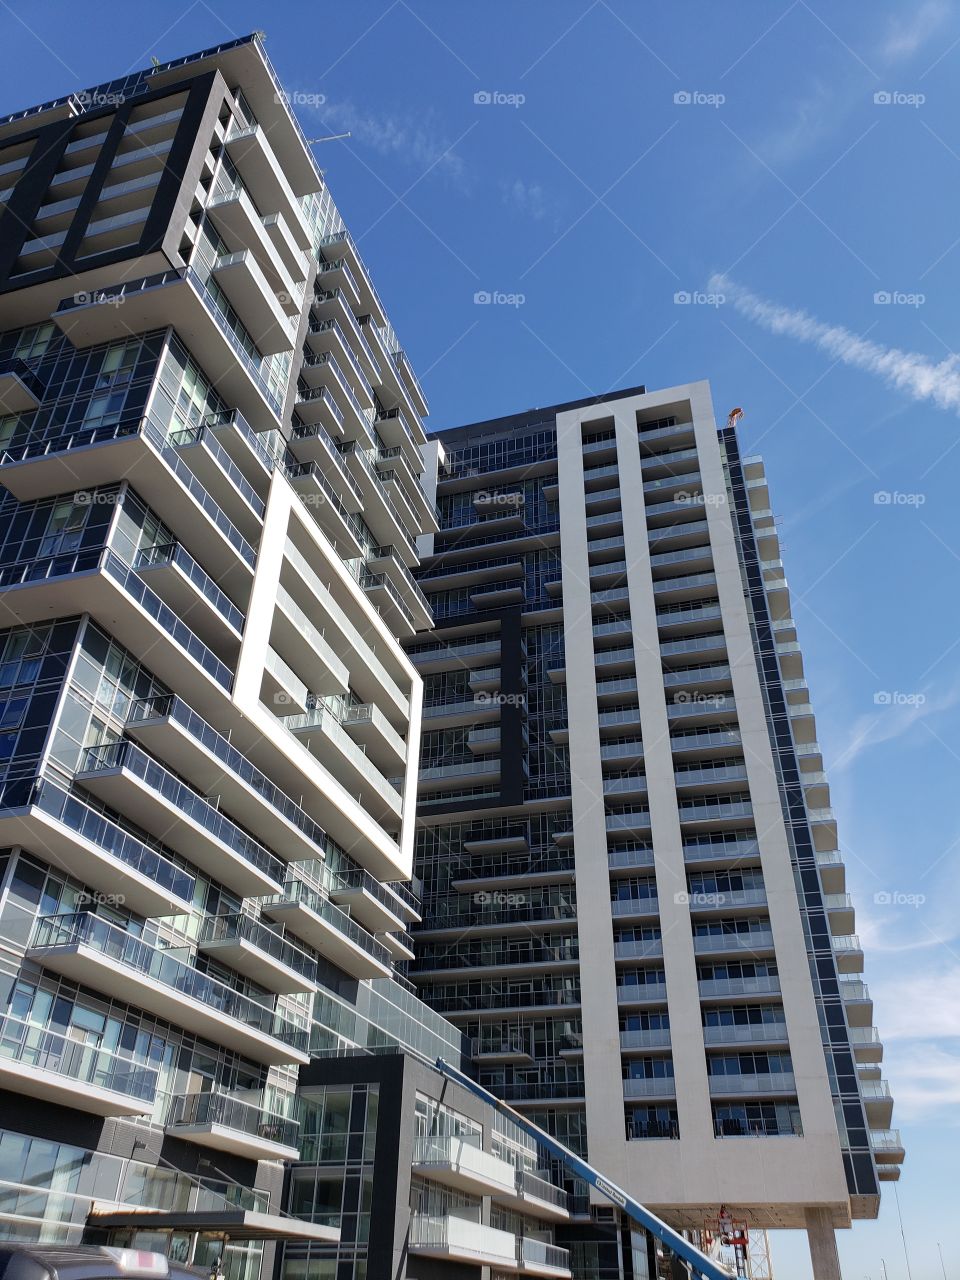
[[210, 455], [634, 903]]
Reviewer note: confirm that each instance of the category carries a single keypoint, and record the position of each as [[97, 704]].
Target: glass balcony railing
[[126, 755], [237, 927], [117, 946], [172, 553], [39, 1049], [197, 1109], [299, 891], [170, 707], [94, 827]]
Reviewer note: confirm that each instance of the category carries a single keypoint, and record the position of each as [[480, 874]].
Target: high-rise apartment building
[[634, 904], [210, 455]]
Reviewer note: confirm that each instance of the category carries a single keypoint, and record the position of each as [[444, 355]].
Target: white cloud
[[910, 372], [906, 35], [891, 722], [527, 198], [927, 1080], [414, 139], [923, 1005]]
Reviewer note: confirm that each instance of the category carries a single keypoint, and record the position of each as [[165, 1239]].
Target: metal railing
[[40, 1049]]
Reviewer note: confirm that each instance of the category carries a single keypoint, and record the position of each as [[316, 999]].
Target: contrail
[[914, 374]]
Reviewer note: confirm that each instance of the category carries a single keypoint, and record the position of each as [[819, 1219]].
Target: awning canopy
[[236, 1224]]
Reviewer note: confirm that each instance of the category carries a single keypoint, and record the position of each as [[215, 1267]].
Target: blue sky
[[812, 163]]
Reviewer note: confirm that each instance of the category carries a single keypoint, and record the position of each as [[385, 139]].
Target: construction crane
[[699, 1263]]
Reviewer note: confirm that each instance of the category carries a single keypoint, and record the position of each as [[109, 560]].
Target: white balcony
[[241, 226], [312, 656], [241, 278], [20, 388], [462, 1165], [265, 179], [235, 1124], [173, 732], [248, 946], [175, 297], [92, 952], [95, 850], [307, 914], [39, 1063], [134, 784], [534, 1194], [462, 1240]]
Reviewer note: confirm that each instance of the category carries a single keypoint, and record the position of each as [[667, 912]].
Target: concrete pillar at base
[[823, 1244]]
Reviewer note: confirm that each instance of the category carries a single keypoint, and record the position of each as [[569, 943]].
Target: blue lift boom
[[699, 1262]]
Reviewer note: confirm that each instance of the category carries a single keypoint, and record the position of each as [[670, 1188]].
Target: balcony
[[139, 787], [321, 733], [460, 1164], [21, 390], [264, 177], [175, 297], [309, 915], [174, 732], [886, 1145], [764, 1084], [238, 222], [91, 951], [321, 500], [210, 461], [735, 988], [462, 1240], [232, 1124], [96, 851], [370, 729], [644, 1038], [445, 777], [856, 1002], [751, 1033], [249, 947], [43, 1064], [240, 277], [637, 993], [752, 942], [649, 1087], [298, 640], [866, 1044], [176, 579], [500, 1049], [701, 898], [139, 451], [878, 1102], [541, 1258]]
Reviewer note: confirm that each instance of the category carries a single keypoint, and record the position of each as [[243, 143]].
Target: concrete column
[[823, 1244]]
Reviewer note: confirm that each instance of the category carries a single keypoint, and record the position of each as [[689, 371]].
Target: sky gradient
[[560, 198]]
